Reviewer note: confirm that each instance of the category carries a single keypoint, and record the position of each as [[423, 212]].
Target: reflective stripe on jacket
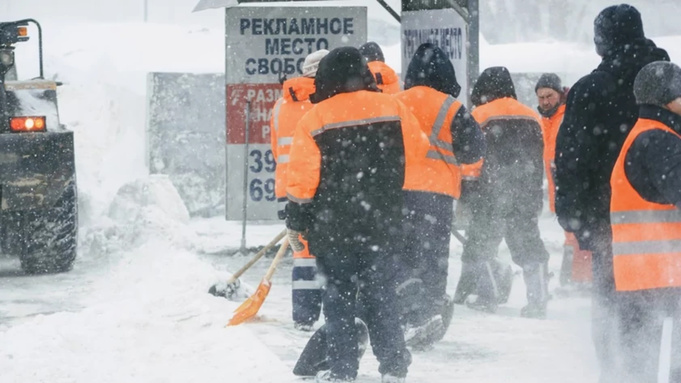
[[386, 78], [496, 119], [646, 236], [347, 165], [439, 171], [287, 111]]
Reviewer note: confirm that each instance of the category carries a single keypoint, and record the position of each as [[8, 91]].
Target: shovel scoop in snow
[[252, 305], [230, 288]]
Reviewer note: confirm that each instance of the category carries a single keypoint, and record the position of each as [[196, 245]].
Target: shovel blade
[[251, 306]]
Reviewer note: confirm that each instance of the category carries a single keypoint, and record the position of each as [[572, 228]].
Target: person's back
[[507, 199], [430, 189], [345, 182], [512, 170], [359, 192]]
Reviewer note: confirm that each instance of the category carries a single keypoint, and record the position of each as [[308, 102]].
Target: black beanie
[[493, 83], [343, 70], [617, 25], [658, 83], [551, 81], [372, 52]]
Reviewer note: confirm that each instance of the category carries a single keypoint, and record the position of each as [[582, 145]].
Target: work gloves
[[294, 240]]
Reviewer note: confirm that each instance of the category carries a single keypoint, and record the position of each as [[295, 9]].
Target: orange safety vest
[[439, 172], [287, 111], [386, 78], [646, 236], [550, 126], [499, 109]]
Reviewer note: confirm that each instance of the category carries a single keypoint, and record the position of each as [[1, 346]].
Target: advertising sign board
[[264, 45], [445, 28]]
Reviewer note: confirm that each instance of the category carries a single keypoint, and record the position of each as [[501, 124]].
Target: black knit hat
[[494, 83], [551, 81], [658, 83], [617, 25], [372, 52], [343, 70]]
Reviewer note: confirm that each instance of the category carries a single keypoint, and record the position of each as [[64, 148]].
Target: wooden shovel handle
[[257, 256], [275, 261]]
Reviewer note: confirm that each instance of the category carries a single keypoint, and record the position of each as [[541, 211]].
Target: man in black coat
[[601, 110]]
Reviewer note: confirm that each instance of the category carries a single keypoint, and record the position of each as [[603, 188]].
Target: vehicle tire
[[49, 237]]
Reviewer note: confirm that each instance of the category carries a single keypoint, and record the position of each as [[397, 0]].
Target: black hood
[[625, 61], [372, 52], [493, 83], [430, 67], [343, 70]]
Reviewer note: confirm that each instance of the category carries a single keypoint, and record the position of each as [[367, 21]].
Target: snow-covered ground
[[135, 307]]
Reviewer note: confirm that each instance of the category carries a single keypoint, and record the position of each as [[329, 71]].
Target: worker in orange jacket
[[306, 296], [646, 233], [430, 189], [507, 199], [345, 178], [551, 96], [386, 78]]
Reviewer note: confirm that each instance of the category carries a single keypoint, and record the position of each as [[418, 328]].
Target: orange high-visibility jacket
[[550, 126], [288, 110], [386, 78], [354, 111], [646, 236], [501, 109], [439, 171]]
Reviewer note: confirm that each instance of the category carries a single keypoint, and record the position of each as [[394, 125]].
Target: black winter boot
[[487, 289], [537, 282], [467, 283]]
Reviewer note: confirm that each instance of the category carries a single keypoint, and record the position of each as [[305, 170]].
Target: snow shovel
[[229, 288], [250, 307]]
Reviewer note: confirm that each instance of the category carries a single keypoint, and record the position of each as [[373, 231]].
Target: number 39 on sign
[[261, 175]]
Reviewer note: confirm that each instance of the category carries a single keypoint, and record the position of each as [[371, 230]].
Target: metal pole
[[390, 10], [244, 206], [146, 10], [474, 45]]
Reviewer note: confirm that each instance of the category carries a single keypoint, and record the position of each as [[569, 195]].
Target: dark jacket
[[348, 158], [430, 67], [653, 163], [512, 171], [600, 111]]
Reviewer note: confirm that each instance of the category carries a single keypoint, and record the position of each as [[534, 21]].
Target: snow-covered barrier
[[186, 137]]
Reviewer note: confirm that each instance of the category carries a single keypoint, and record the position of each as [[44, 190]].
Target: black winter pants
[[426, 252], [492, 222], [349, 269]]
